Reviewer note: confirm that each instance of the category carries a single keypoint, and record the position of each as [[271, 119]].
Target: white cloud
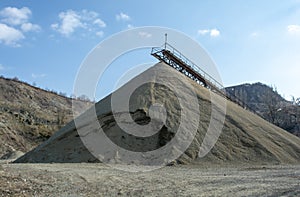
[[88, 15], [15, 22], [100, 33], [9, 35], [99, 22], [129, 26], [122, 17], [203, 31], [293, 29], [26, 27], [71, 20], [15, 16], [212, 32], [38, 75], [145, 34], [254, 34], [54, 26]]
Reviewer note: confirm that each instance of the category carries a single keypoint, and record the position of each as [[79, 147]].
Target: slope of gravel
[[245, 138]]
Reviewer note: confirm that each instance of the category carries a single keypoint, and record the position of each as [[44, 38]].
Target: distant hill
[[270, 105], [29, 115]]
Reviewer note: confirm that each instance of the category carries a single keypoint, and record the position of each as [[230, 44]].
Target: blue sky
[[250, 41]]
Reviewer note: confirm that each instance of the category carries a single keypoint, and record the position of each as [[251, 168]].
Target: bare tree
[[298, 101], [273, 105], [84, 98], [61, 118]]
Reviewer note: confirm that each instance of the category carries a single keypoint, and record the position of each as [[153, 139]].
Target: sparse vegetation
[[273, 105], [30, 115], [267, 102]]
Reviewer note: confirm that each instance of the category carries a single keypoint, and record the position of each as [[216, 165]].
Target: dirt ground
[[84, 179]]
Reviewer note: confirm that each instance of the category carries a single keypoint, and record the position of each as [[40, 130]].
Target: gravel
[[84, 179]]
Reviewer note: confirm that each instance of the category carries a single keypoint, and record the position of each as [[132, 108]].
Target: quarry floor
[[101, 180]]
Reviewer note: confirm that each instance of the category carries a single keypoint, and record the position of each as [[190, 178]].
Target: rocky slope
[[245, 137], [270, 105], [29, 115]]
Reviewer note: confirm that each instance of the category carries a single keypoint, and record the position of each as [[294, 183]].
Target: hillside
[[29, 115], [245, 137], [270, 105]]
